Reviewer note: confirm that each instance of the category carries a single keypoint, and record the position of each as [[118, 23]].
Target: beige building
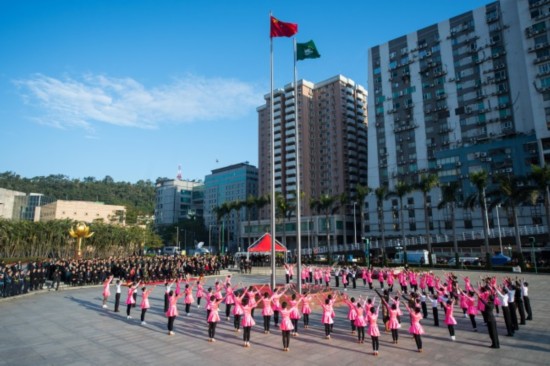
[[7, 203], [82, 211]]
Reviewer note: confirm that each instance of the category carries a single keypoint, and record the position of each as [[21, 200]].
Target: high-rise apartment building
[[178, 200], [467, 94], [230, 185], [332, 123]]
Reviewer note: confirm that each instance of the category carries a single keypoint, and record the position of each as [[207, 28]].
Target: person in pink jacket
[[327, 317], [145, 302], [213, 317], [106, 291], [416, 329], [306, 308], [393, 323], [229, 299], [374, 332], [130, 298], [200, 293], [286, 323], [360, 322], [267, 310], [247, 321], [294, 314], [449, 318], [352, 312], [188, 292], [172, 310], [238, 312]]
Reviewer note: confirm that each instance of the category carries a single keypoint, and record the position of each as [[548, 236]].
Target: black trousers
[[513, 315], [492, 328], [418, 340], [143, 311], [436, 316], [246, 334], [306, 320], [117, 302], [212, 329], [521, 311], [295, 324], [451, 329], [424, 309], [171, 323], [508, 321], [237, 321], [360, 334], [327, 329], [528, 310], [286, 338], [375, 343], [276, 317], [473, 320], [267, 320], [128, 309]]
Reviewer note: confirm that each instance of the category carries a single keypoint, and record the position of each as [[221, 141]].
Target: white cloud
[[92, 99]]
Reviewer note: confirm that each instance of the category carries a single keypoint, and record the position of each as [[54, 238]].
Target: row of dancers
[[363, 313]]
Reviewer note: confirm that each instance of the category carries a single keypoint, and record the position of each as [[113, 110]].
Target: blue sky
[[134, 88]]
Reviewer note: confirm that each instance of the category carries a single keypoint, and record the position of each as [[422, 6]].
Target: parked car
[[467, 261], [170, 250]]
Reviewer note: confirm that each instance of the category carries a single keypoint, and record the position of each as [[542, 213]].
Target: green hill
[[139, 198]]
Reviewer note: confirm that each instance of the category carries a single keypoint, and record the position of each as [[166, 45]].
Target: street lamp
[[499, 232]]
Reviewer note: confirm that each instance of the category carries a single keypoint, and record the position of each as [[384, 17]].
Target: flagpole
[[298, 192], [272, 123]]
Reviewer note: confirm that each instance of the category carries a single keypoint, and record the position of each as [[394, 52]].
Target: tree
[[540, 175], [449, 199], [380, 194], [425, 185], [325, 205], [237, 207], [480, 179], [250, 204], [343, 201], [283, 211], [401, 190], [361, 193], [221, 211], [511, 193]]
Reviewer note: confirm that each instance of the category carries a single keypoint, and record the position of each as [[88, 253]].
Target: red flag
[[282, 29]]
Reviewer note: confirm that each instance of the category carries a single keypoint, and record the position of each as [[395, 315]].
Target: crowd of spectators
[[21, 278]]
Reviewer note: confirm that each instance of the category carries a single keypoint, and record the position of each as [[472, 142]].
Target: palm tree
[[361, 192], [449, 199], [325, 204], [283, 211], [480, 181], [425, 185], [250, 204], [221, 211], [401, 190], [343, 200], [541, 178], [511, 193], [380, 194], [237, 206]]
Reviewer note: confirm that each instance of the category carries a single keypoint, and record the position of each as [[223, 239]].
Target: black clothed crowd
[[21, 278]]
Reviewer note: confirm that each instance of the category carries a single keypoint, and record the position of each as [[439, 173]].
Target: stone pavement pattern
[[70, 328]]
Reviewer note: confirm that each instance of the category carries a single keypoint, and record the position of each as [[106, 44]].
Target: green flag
[[306, 50]]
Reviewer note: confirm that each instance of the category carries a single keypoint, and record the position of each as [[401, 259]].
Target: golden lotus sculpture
[[80, 231]]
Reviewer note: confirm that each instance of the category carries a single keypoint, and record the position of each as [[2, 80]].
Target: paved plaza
[[70, 327]]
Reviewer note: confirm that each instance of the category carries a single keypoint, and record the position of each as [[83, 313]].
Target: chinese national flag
[[282, 29]]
